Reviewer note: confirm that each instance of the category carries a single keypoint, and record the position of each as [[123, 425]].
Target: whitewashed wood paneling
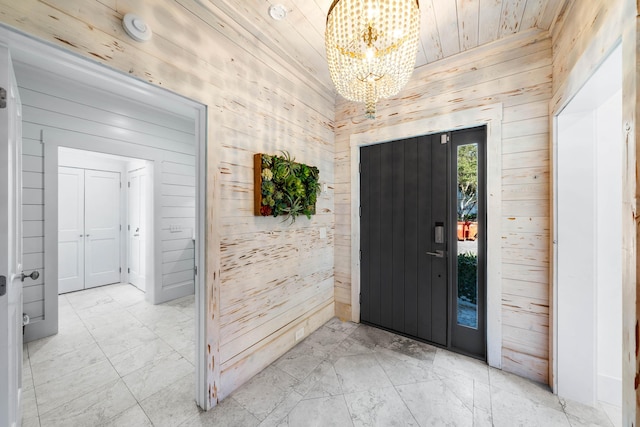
[[52, 103], [515, 71]]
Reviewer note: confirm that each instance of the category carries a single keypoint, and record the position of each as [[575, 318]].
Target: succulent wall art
[[284, 187]]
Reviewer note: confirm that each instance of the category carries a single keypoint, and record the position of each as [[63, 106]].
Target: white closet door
[[70, 229], [137, 227], [102, 228]]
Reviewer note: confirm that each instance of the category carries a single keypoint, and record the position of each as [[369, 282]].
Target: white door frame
[[489, 115], [579, 78], [34, 52]]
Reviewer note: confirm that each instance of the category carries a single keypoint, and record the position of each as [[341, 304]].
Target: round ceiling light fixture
[[277, 12], [136, 28]]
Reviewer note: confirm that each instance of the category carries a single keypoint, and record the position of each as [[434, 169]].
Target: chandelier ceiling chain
[[371, 48]]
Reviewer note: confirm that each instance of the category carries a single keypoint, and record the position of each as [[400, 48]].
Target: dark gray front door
[[410, 198], [403, 194]]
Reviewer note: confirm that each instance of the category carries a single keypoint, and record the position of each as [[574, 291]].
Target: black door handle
[[33, 276], [438, 253]]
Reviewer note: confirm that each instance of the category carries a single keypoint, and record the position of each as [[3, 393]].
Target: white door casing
[[489, 115], [70, 229], [102, 228], [11, 245], [137, 189]]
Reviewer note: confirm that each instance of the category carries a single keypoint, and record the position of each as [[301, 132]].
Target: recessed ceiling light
[[277, 12]]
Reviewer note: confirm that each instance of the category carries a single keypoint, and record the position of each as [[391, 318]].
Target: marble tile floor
[[116, 360], [341, 375]]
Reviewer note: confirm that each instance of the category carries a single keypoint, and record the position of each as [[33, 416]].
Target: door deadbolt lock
[[33, 276], [438, 232]]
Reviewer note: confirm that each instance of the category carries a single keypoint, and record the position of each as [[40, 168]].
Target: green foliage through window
[[468, 277], [467, 182]]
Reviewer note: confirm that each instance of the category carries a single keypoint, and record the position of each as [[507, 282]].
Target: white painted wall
[[589, 240]]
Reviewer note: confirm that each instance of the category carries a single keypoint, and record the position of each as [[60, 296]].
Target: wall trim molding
[[489, 115]]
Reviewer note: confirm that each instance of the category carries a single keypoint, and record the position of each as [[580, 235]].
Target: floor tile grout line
[[344, 400], [122, 412], [405, 403]]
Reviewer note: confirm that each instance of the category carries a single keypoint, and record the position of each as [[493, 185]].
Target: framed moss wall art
[[283, 187]]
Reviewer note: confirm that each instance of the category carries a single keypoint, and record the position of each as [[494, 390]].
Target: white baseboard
[[610, 390]]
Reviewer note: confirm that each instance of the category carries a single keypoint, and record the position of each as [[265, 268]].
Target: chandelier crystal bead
[[371, 48]]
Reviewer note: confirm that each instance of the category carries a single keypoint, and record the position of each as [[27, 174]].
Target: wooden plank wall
[[55, 103], [582, 38], [265, 279], [516, 72]]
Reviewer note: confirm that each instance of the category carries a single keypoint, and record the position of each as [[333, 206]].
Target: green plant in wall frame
[[284, 187]]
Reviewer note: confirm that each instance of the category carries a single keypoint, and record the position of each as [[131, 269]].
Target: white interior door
[[70, 229], [102, 228], [10, 245], [137, 185]]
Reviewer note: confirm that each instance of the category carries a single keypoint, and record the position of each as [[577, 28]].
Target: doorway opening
[[42, 140], [588, 236], [422, 228], [103, 218]]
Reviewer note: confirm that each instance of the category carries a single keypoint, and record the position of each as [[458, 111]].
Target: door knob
[[438, 253], [33, 276]]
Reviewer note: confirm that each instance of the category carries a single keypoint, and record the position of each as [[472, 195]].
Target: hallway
[[119, 361]]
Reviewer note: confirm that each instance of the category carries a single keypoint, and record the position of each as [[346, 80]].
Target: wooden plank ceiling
[[447, 27]]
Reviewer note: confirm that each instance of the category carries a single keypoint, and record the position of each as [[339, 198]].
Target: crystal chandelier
[[371, 48]]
